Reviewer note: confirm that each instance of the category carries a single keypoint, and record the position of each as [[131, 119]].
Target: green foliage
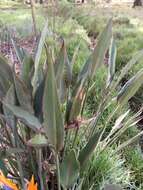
[[92, 23], [19, 20], [43, 103], [69, 170], [65, 9], [120, 20], [129, 39], [82, 55], [134, 159], [107, 168], [125, 51], [94, 95], [130, 88]]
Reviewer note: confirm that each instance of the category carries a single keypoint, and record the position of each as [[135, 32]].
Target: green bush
[[75, 36], [95, 94], [134, 160], [107, 168], [129, 39], [82, 54], [126, 48], [128, 34], [92, 23], [121, 20]]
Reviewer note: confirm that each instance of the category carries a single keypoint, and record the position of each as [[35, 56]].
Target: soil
[[7, 49]]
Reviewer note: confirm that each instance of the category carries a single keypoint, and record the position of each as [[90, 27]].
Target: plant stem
[[85, 98], [45, 181], [58, 171], [20, 172], [75, 137], [15, 144], [40, 168], [107, 122], [33, 16], [66, 121], [33, 167]]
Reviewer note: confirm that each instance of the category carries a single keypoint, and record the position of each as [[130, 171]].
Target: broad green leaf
[[66, 80], [77, 103], [38, 140], [27, 118], [100, 50], [88, 71], [86, 152], [3, 89], [62, 91], [69, 170], [112, 187], [85, 71], [75, 55], [59, 63], [53, 121], [23, 94], [111, 62], [63, 72], [130, 88], [96, 60], [10, 98], [27, 69], [6, 76], [20, 52], [35, 80], [38, 99], [59, 72], [67, 70], [10, 118], [5, 69], [3, 167]]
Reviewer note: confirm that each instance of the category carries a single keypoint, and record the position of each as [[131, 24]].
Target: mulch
[[7, 49]]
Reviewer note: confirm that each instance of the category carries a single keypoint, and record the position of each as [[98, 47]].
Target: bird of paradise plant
[[32, 185], [8, 184], [37, 137]]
